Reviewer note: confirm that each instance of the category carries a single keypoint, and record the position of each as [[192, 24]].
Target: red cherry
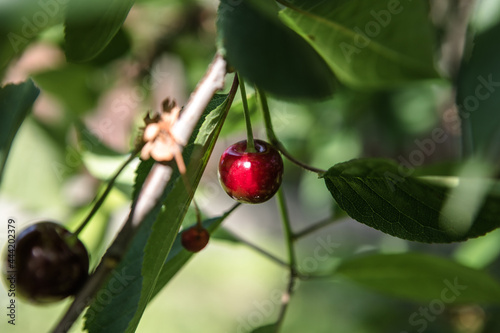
[[195, 239], [49, 263], [251, 177]]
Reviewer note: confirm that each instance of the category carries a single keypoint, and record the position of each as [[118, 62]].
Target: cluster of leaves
[[299, 50], [316, 42]]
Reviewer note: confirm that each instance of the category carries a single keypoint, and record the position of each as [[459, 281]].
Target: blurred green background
[[86, 119]]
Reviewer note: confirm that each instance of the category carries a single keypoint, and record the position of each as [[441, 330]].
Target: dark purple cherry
[[49, 263]]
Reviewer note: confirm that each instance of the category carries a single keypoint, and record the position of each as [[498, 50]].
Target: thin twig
[[258, 249], [102, 197], [285, 299], [287, 229], [150, 193], [314, 227], [292, 159], [285, 218]]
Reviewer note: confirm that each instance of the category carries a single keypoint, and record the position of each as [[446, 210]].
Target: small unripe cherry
[[250, 177], [195, 238]]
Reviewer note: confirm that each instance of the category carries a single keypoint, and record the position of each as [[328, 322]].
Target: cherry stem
[[246, 112], [274, 139], [191, 192], [103, 196]]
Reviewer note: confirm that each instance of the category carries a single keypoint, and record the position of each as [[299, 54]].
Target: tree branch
[[150, 193]]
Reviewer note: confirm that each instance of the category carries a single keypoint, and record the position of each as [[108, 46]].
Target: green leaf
[[266, 329], [15, 103], [142, 264], [480, 252], [90, 142], [268, 53], [70, 84], [422, 278], [91, 25], [224, 235], [478, 94], [21, 21], [118, 46], [380, 194], [368, 44], [235, 122]]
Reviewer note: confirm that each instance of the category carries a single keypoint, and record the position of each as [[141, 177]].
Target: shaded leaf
[[379, 194], [478, 94], [15, 103], [21, 21], [118, 46], [70, 84], [268, 53], [368, 44], [235, 122], [90, 26], [422, 278]]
